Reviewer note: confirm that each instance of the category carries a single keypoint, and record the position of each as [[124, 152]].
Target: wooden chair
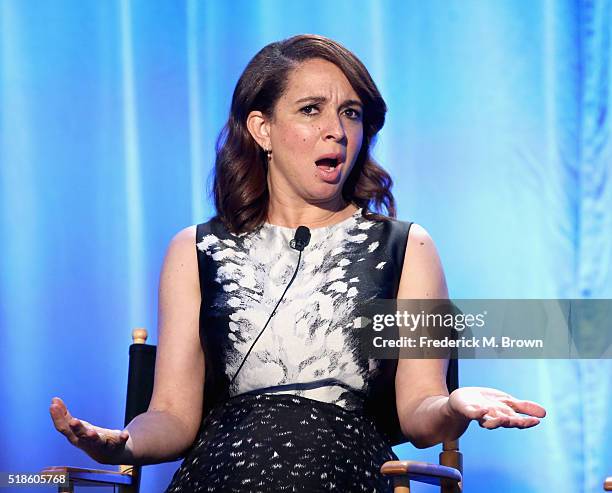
[[447, 474], [139, 390]]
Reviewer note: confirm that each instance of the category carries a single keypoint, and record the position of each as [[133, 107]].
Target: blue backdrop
[[498, 137]]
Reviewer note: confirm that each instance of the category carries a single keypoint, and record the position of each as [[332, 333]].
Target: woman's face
[[315, 136]]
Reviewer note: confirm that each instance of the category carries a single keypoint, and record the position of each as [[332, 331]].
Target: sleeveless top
[[310, 348]]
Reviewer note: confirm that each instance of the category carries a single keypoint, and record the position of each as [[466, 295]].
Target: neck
[[310, 215]]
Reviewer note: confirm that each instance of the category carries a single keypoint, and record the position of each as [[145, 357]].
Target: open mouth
[[327, 164]]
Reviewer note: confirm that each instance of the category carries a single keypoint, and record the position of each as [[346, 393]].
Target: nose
[[333, 129]]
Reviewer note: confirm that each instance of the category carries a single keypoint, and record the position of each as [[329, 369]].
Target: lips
[[329, 167], [330, 160]]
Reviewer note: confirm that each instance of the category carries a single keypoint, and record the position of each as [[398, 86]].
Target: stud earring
[[269, 154]]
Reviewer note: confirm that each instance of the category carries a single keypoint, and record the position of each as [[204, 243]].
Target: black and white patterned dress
[[308, 411]]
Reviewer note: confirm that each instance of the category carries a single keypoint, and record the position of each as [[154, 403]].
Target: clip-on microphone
[[301, 238]]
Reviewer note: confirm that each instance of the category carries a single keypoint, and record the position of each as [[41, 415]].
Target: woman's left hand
[[493, 408]]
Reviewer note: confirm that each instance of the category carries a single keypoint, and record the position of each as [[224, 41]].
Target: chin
[[326, 194]]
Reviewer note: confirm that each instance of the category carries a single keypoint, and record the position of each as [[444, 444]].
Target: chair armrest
[[608, 484], [423, 472], [92, 477]]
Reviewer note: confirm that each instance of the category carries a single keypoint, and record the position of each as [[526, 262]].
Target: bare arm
[[426, 412], [171, 423], [420, 384]]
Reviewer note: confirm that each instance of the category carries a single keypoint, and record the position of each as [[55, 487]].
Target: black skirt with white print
[[268, 443]]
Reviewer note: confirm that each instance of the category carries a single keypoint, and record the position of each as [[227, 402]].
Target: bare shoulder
[[179, 281], [422, 272], [185, 234], [181, 257], [420, 245], [183, 242]]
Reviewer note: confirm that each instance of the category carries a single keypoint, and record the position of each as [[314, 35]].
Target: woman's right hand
[[101, 444]]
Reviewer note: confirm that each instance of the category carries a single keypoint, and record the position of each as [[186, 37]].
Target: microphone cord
[[268, 321]]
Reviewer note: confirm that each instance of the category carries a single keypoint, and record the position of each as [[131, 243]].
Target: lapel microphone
[[300, 240]]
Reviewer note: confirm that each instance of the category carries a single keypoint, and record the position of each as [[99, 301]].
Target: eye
[[353, 113], [308, 110]]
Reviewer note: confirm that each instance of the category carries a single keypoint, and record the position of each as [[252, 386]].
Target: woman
[[285, 408]]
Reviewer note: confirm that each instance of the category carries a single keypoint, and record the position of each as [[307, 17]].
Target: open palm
[[493, 408], [101, 444]]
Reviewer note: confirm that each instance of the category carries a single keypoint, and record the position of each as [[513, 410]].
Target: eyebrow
[[323, 99]]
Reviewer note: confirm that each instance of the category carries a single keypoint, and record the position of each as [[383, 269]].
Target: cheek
[[298, 140], [356, 139]]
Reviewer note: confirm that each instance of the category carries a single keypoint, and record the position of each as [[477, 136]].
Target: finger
[[87, 433], [513, 422], [490, 422], [526, 407], [523, 422], [501, 421], [58, 410], [58, 404], [60, 422], [92, 440], [58, 418], [81, 429], [501, 409]]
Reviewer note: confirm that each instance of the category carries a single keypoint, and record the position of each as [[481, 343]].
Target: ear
[[259, 128]]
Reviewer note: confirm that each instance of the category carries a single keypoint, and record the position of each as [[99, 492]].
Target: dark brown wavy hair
[[240, 185]]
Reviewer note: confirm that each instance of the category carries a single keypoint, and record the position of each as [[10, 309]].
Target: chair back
[[452, 375], [141, 374]]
